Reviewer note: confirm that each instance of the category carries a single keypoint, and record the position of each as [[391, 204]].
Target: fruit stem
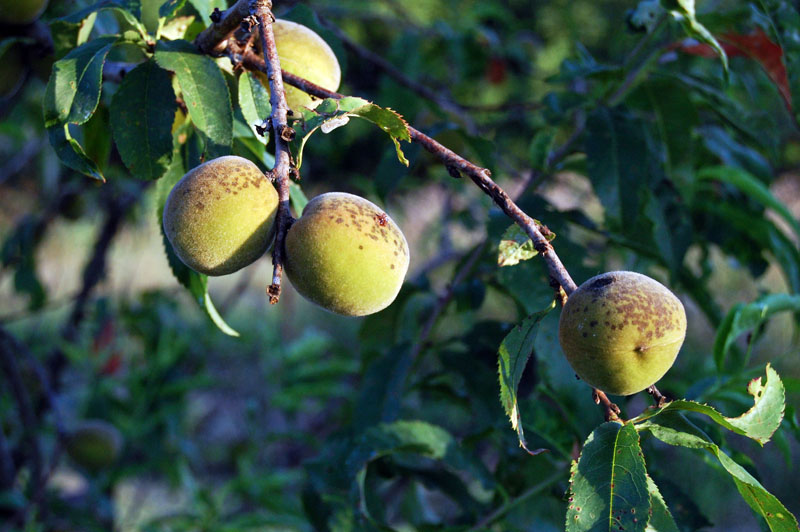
[[658, 397], [611, 410], [282, 133]]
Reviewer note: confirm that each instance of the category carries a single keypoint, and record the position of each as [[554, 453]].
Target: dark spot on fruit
[[601, 282], [360, 247]]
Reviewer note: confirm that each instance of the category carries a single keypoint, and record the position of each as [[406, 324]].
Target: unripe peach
[[621, 331], [220, 216], [346, 255], [94, 444], [304, 53], [21, 11]]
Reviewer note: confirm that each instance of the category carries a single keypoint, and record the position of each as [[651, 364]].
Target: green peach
[[304, 53], [21, 11], [220, 216], [621, 331], [94, 444], [346, 255]]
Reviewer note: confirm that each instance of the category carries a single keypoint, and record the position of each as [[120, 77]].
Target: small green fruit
[[220, 216], [94, 444], [621, 331], [346, 255], [21, 11], [304, 53]]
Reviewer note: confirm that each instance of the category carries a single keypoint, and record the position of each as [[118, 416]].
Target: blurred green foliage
[[309, 421]]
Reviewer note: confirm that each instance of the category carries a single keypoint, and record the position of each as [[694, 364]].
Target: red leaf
[[756, 46]]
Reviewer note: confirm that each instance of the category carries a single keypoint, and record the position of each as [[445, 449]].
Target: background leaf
[[142, 112], [205, 92]]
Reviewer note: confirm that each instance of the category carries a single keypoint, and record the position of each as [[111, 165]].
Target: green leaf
[[759, 423], [142, 112], [414, 437], [674, 429], [332, 113], [539, 149], [683, 11], [785, 20], [513, 355], [660, 518], [254, 102], [617, 162], [382, 387], [608, 488], [297, 198], [206, 7], [752, 187], [127, 10], [196, 283], [169, 8], [75, 83], [204, 91], [71, 153], [516, 246], [68, 35], [747, 317]]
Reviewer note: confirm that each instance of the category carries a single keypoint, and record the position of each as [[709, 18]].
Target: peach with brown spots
[[346, 255], [220, 216], [621, 331]]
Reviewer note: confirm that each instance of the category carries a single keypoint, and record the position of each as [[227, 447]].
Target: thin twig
[[214, 38], [457, 165], [116, 209], [282, 133]]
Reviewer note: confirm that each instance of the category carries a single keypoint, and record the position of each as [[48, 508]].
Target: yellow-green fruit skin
[[94, 444], [621, 331], [304, 53], [346, 255], [220, 217], [21, 11]]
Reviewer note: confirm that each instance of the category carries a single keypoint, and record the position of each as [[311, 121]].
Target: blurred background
[[224, 433]]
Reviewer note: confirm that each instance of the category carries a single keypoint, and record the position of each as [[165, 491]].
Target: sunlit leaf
[[609, 488], [674, 429], [759, 423]]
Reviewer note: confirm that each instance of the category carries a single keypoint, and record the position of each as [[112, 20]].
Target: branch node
[[274, 293], [216, 15], [287, 133]]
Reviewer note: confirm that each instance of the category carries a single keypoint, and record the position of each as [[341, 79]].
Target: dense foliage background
[[615, 124]]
